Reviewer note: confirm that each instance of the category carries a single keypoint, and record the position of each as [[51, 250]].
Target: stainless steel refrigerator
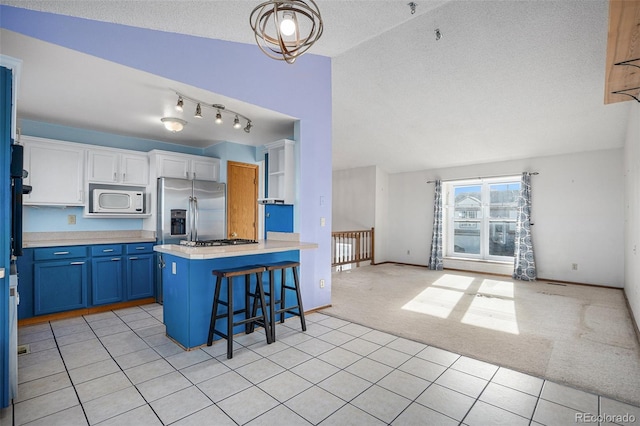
[[192, 210]]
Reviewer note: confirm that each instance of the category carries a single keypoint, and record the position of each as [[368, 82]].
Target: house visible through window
[[481, 218]]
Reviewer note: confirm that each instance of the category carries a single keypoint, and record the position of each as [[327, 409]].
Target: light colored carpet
[[577, 335]]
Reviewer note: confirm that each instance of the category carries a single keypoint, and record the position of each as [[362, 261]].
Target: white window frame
[[484, 222]]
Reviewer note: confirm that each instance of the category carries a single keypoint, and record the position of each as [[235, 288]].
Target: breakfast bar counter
[[188, 283], [217, 252]]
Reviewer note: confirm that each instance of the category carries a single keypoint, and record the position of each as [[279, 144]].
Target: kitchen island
[[188, 283]]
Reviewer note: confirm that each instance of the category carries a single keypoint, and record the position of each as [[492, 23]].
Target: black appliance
[[17, 190], [214, 243], [178, 222]]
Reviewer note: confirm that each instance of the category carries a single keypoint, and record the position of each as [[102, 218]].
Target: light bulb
[[287, 25], [218, 117], [179, 104], [236, 123]]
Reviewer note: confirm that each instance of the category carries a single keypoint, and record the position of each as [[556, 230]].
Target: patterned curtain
[[524, 265], [435, 260]]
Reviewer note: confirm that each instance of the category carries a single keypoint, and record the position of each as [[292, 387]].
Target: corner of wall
[[632, 214]]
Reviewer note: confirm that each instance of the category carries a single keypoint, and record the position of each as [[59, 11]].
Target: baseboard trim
[[319, 308], [539, 279], [633, 318], [85, 311]]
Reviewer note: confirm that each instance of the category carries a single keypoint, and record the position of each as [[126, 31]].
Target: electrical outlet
[[574, 266], [322, 221], [71, 219], [321, 283], [173, 268]]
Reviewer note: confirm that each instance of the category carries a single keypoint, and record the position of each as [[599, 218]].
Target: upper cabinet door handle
[[107, 250], [59, 253]]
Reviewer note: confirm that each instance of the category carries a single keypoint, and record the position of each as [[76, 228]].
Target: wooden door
[[242, 200]]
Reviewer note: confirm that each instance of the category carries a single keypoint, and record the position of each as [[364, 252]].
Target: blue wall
[[230, 69]]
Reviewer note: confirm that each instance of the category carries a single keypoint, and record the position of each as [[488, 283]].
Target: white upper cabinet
[[185, 166], [56, 172], [117, 166], [281, 171]]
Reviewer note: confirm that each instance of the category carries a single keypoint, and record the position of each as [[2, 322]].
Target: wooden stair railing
[[352, 247]]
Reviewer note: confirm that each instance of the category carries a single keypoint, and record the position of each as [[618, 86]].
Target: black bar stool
[[249, 320], [282, 308]]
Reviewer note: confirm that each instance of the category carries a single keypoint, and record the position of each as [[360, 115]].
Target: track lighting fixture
[[173, 124], [286, 29], [176, 124]]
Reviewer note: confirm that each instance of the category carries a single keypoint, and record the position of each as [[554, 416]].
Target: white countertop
[[83, 238], [263, 246]]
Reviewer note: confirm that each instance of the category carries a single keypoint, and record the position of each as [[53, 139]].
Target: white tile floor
[[119, 368]]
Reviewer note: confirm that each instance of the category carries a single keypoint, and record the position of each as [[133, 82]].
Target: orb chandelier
[[286, 29]]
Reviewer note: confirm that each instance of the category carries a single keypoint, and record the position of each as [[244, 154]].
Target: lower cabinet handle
[[59, 253], [133, 258], [115, 259], [107, 250], [77, 263], [140, 248]]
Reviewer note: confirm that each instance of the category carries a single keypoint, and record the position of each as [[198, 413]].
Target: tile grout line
[[318, 338]]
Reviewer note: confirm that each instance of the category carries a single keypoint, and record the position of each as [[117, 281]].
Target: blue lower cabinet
[[106, 280], [107, 275], [60, 285], [140, 282], [58, 279]]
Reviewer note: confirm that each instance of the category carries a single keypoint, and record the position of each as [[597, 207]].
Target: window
[[481, 218]]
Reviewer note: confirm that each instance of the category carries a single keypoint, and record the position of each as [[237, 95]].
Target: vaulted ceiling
[[507, 79]]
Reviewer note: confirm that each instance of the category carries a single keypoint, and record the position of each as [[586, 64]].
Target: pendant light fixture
[[286, 29]]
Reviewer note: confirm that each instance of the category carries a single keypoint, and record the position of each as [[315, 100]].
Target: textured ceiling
[[347, 23], [507, 80]]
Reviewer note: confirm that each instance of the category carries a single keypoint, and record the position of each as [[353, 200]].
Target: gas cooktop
[[221, 242]]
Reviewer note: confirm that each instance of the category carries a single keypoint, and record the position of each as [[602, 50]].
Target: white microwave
[[117, 201]]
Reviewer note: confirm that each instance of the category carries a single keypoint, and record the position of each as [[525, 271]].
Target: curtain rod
[[483, 177]]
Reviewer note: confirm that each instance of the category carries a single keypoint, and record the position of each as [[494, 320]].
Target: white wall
[[578, 212], [382, 216], [360, 201], [632, 212], [354, 199]]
